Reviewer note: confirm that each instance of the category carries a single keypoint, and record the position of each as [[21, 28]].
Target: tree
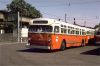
[[24, 8], [97, 26]]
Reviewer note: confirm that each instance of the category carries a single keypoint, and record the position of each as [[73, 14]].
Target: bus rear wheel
[[83, 43], [63, 46]]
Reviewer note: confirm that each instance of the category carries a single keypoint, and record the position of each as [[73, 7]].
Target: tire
[[63, 46]]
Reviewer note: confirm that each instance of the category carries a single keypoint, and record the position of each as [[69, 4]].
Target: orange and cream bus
[[53, 34], [97, 38]]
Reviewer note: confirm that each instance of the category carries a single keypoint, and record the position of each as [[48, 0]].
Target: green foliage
[[97, 26], [24, 8]]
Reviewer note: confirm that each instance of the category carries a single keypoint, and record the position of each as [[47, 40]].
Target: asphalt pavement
[[15, 54]]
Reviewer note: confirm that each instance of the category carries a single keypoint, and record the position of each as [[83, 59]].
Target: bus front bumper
[[37, 47]]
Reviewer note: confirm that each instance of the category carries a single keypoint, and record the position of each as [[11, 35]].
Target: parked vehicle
[[97, 38], [54, 34]]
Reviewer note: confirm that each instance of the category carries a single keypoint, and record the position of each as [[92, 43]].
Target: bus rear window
[[40, 28]]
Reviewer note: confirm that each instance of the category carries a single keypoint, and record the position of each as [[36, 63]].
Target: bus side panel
[[71, 40], [56, 41]]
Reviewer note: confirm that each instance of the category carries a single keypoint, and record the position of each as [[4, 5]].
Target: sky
[[84, 11]]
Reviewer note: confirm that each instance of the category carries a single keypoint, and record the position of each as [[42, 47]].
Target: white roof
[[54, 21], [50, 21]]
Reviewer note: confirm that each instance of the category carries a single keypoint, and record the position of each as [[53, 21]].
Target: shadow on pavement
[[93, 45], [43, 50], [92, 52], [38, 50]]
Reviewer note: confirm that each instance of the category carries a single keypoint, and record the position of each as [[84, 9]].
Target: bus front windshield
[[40, 28]]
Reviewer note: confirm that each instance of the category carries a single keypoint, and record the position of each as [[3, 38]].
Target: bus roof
[[48, 21]]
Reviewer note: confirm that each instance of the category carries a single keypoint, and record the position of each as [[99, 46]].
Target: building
[[9, 21]]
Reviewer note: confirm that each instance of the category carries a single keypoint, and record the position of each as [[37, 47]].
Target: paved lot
[[17, 55]]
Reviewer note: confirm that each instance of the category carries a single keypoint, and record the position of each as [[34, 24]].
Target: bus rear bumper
[[37, 47]]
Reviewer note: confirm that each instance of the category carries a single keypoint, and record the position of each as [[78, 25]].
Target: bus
[[46, 33], [97, 38]]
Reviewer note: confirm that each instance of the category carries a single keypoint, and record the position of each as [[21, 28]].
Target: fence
[[8, 37]]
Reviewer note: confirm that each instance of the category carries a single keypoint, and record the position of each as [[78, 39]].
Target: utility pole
[[18, 27], [74, 21], [84, 23], [65, 17]]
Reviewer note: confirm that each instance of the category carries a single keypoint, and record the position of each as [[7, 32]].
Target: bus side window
[[80, 32], [56, 29], [83, 32], [73, 31], [77, 31], [69, 30], [65, 30]]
